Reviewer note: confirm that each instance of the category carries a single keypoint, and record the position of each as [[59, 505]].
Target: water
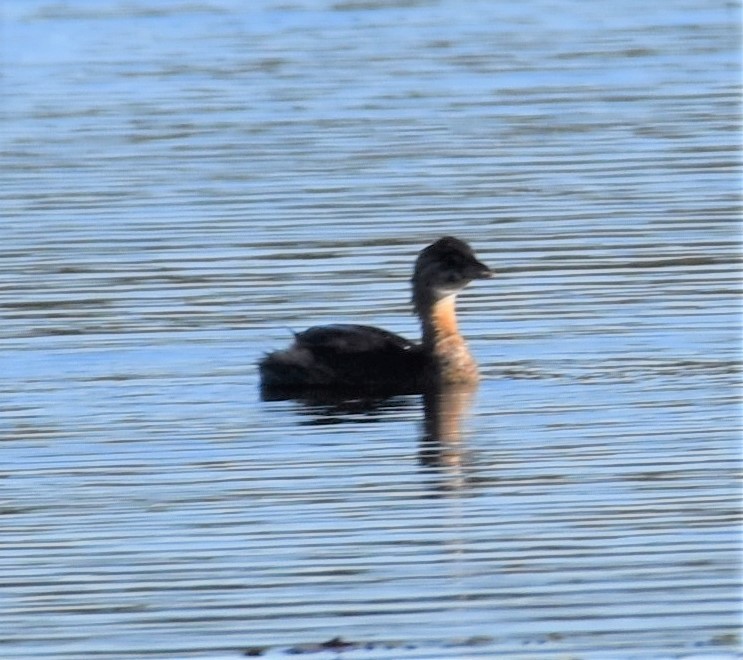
[[183, 182]]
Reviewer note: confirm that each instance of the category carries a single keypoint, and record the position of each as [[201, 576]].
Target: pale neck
[[439, 321]]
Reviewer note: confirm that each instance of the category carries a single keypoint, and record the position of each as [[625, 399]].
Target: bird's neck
[[439, 321], [450, 357]]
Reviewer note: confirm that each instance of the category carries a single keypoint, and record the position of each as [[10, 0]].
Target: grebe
[[363, 358]]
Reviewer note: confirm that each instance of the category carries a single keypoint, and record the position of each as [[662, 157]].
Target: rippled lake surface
[[184, 182]]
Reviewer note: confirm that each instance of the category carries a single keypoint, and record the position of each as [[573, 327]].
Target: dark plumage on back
[[350, 339], [349, 357]]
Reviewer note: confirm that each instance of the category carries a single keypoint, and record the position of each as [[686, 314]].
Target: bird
[[363, 358]]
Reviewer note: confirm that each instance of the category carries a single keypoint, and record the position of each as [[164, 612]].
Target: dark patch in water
[[338, 645]]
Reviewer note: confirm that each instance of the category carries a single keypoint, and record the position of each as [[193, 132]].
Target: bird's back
[[346, 357]]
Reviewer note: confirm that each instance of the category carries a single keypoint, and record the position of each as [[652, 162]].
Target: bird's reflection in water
[[322, 407], [442, 447]]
